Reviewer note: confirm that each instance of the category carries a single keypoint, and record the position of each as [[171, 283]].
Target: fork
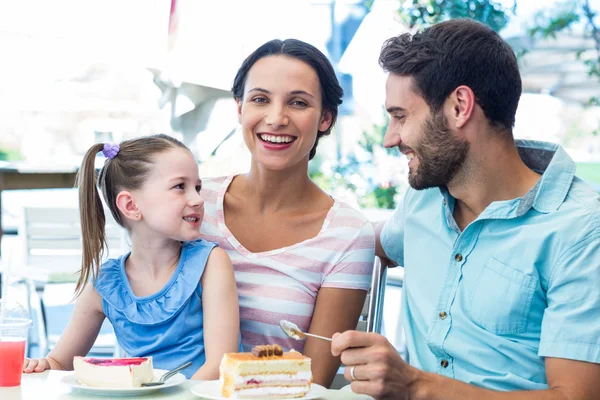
[[167, 375]]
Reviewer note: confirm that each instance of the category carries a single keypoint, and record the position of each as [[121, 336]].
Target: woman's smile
[[276, 141]]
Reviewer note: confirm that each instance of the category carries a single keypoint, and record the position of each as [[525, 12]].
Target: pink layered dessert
[[267, 372], [113, 372]]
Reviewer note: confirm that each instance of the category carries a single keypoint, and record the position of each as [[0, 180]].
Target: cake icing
[[113, 372], [264, 373]]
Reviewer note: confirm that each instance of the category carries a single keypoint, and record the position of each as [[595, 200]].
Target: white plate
[[212, 390], [348, 388], [72, 381]]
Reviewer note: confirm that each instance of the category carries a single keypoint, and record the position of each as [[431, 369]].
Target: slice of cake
[[113, 372], [265, 372]]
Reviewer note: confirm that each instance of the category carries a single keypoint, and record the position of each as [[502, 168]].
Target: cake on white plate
[[266, 372], [113, 372]]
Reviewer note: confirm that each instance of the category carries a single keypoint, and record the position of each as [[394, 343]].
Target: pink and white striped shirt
[[283, 283]]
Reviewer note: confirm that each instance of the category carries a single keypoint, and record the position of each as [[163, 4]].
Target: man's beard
[[440, 154]]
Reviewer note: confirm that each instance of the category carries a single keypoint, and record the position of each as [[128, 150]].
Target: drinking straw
[[5, 278]]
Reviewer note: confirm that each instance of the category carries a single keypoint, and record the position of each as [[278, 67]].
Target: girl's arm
[[79, 336], [335, 309], [221, 313]]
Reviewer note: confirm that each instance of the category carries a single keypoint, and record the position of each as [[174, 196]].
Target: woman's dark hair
[[331, 91], [128, 170], [459, 52]]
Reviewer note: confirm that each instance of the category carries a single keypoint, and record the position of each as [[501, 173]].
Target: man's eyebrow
[[394, 109]]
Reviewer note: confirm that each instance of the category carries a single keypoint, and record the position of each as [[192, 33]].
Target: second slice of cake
[[113, 372], [266, 372]]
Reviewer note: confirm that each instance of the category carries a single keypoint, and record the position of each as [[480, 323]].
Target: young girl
[[173, 297]]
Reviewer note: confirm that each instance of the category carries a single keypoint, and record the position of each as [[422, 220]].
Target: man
[[499, 240]]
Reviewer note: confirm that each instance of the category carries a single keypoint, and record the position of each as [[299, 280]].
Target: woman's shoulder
[[345, 215], [214, 183], [214, 187]]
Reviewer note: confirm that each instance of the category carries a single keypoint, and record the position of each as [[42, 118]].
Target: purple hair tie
[[110, 150]]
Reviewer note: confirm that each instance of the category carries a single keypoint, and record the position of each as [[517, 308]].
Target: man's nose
[[391, 138]]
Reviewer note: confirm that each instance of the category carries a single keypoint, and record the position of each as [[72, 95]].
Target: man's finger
[[352, 339], [370, 388], [356, 356]]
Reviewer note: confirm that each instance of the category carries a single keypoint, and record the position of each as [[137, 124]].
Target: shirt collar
[[557, 169]]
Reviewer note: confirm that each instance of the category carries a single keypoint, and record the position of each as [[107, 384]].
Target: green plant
[[364, 173], [564, 16], [10, 154], [419, 13]]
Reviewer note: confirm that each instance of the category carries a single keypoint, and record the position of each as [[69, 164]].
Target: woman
[[297, 253]]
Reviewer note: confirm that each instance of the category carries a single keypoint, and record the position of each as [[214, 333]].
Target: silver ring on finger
[[352, 373]]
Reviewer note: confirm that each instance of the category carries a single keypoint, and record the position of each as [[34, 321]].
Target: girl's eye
[[179, 186], [198, 188]]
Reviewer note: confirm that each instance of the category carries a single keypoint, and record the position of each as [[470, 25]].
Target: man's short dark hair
[[454, 53]]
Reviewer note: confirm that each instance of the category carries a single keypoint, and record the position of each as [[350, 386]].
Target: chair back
[[371, 315], [53, 239]]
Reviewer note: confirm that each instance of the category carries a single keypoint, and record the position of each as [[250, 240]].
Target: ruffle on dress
[[113, 286]]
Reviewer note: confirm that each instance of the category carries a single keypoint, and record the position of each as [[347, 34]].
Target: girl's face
[[169, 202], [281, 111]]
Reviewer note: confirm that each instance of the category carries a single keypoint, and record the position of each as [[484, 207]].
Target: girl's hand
[[36, 365]]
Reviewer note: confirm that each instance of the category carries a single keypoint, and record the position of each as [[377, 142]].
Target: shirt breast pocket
[[501, 298]]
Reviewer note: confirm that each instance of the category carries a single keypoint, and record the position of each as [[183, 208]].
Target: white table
[[48, 386]]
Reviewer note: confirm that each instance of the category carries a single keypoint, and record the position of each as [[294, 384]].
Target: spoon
[[167, 375], [292, 330]]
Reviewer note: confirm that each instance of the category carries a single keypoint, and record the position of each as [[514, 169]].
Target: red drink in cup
[[14, 327], [12, 355]]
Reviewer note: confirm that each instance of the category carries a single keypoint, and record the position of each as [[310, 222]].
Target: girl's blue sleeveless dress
[[167, 325]]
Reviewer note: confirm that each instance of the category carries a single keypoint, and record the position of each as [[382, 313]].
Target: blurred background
[[76, 72]]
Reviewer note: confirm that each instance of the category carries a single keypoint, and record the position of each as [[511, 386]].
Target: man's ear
[[126, 205], [326, 121], [461, 103]]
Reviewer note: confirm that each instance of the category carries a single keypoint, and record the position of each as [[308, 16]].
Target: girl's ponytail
[[92, 219]]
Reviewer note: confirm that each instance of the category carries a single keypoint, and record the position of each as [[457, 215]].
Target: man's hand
[[378, 369]]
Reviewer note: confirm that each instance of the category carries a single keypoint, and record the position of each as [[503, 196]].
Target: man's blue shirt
[[520, 283]]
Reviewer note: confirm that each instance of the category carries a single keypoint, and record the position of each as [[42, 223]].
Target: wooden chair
[[53, 252], [371, 316]]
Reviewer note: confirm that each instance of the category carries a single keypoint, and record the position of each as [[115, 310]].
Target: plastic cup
[[14, 328]]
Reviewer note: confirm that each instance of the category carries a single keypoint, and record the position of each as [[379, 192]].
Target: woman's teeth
[[190, 219], [276, 139]]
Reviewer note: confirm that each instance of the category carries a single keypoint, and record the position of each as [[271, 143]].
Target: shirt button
[[444, 201], [444, 363], [458, 257], [443, 315]]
